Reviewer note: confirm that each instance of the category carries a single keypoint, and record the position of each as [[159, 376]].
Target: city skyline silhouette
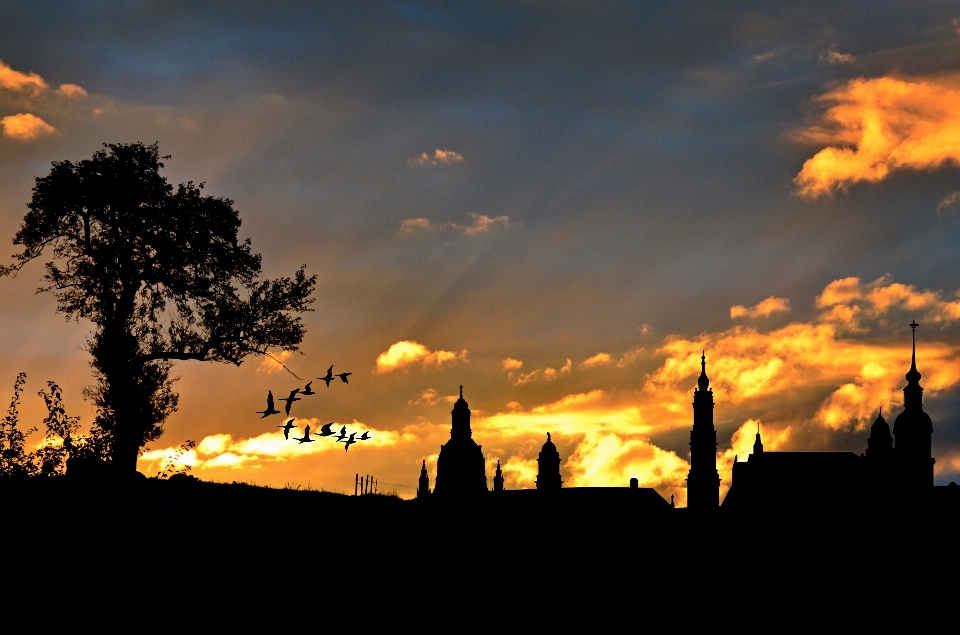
[[577, 213]]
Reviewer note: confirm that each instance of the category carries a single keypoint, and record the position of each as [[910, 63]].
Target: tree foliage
[[61, 438], [162, 276]]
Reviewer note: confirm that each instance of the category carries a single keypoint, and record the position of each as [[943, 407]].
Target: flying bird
[[307, 390], [270, 409], [349, 441], [328, 377], [325, 430], [306, 436], [288, 427], [343, 434], [343, 377], [293, 397], [364, 436]]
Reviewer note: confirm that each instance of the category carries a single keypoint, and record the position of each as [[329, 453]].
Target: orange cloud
[[17, 81], [878, 126], [408, 353], [273, 363], [510, 363], [600, 359], [25, 127], [764, 308], [547, 374], [438, 158]]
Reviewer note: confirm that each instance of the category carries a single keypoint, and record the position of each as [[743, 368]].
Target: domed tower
[[498, 479], [703, 481], [460, 466], [879, 443], [424, 490], [880, 456], [913, 431], [548, 474]]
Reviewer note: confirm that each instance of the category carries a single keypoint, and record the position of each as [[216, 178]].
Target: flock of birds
[[326, 430]]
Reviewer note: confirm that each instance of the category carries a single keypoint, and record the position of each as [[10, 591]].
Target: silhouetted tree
[[14, 460], [159, 271]]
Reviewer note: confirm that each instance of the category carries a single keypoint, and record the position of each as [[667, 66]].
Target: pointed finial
[[461, 391], [548, 436], [913, 376], [703, 382]]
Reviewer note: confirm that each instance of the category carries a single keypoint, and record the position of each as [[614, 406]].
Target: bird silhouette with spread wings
[[350, 441], [306, 436], [343, 434], [343, 377], [270, 409], [328, 377], [365, 436], [325, 430], [307, 390], [293, 397], [288, 427]]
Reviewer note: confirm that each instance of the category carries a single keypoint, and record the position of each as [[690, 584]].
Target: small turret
[[498, 479], [424, 489]]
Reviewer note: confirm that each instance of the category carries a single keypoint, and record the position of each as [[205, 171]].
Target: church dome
[[461, 404], [549, 450], [880, 427]]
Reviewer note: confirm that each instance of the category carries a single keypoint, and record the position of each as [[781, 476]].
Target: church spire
[[758, 445], [913, 392], [498, 479], [703, 481], [913, 375]]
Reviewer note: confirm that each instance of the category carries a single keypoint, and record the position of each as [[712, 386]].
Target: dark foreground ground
[[205, 540]]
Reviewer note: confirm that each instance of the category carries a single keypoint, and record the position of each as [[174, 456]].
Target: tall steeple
[[498, 479], [758, 445], [424, 490], [913, 431], [703, 481]]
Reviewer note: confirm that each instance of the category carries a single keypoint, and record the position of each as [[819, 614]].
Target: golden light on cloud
[[547, 374], [407, 353], [222, 450], [17, 81], [438, 158], [600, 359], [511, 364], [882, 125], [764, 308], [25, 127]]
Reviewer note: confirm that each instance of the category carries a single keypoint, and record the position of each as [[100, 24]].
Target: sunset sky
[[557, 205]]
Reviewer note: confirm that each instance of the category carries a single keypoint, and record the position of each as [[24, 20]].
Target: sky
[[557, 205]]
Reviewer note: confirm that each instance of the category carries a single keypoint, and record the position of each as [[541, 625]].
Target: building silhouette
[[912, 431], [460, 467], [548, 466], [894, 469], [703, 481]]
